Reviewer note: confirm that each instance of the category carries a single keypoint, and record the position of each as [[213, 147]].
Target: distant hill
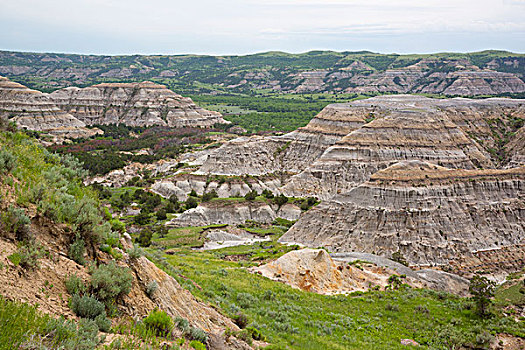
[[461, 74]]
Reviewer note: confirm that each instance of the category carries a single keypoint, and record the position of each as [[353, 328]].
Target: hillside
[[466, 74]]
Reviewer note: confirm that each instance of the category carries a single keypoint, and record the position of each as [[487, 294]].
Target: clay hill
[[430, 214], [133, 104], [33, 110], [455, 133], [463, 74]]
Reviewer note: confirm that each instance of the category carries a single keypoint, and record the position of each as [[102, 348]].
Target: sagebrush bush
[[27, 255], [197, 334], [77, 250], [110, 282], [7, 161], [135, 252], [87, 306], [151, 288], [16, 221], [118, 226], [159, 322], [75, 285]]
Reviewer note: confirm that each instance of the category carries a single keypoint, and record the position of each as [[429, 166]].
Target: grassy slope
[[301, 320]]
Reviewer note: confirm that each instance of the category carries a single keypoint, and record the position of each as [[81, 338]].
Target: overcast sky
[[248, 26]]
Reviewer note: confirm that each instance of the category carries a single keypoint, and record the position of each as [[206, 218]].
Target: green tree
[[482, 290]]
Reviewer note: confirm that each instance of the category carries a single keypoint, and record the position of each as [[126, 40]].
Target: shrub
[[118, 226], [144, 239], [151, 288], [141, 218], [304, 205], [27, 255], [135, 252], [207, 196], [7, 161], [159, 322], [197, 345], [281, 200], [246, 300], [16, 221], [241, 320], [250, 196], [255, 333], [268, 194], [75, 285], [76, 251], [193, 194], [161, 214], [87, 306], [191, 203], [182, 324], [111, 281], [398, 257], [198, 334]]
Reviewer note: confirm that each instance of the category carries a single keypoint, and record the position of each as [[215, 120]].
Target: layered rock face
[[181, 185], [234, 213], [429, 213], [287, 154], [455, 133], [33, 110], [133, 104]]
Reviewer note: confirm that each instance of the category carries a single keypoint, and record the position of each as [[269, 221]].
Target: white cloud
[[243, 25]]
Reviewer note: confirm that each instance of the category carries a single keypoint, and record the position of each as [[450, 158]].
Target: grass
[[294, 319], [191, 237]]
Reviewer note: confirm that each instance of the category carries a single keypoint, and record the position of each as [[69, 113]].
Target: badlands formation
[[67, 113], [33, 110], [133, 104], [435, 179]]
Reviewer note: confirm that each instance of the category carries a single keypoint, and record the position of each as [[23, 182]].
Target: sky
[[222, 27]]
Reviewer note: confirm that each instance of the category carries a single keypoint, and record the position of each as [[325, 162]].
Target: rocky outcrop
[[33, 110], [429, 213], [234, 213], [314, 270], [181, 185], [133, 104], [287, 154], [455, 133]]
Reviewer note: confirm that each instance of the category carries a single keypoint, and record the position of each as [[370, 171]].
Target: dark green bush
[[77, 250], [207, 196], [161, 214], [191, 202], [281, 200], [110, 282], [250, 196], [268, 194], [144, 238], [193, 194], [159, 322], [241, 320]]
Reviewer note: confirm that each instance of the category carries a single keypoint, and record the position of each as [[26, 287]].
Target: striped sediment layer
[[455, 133], [288, 154], [33, 110], [133, 104], [430, 214]]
